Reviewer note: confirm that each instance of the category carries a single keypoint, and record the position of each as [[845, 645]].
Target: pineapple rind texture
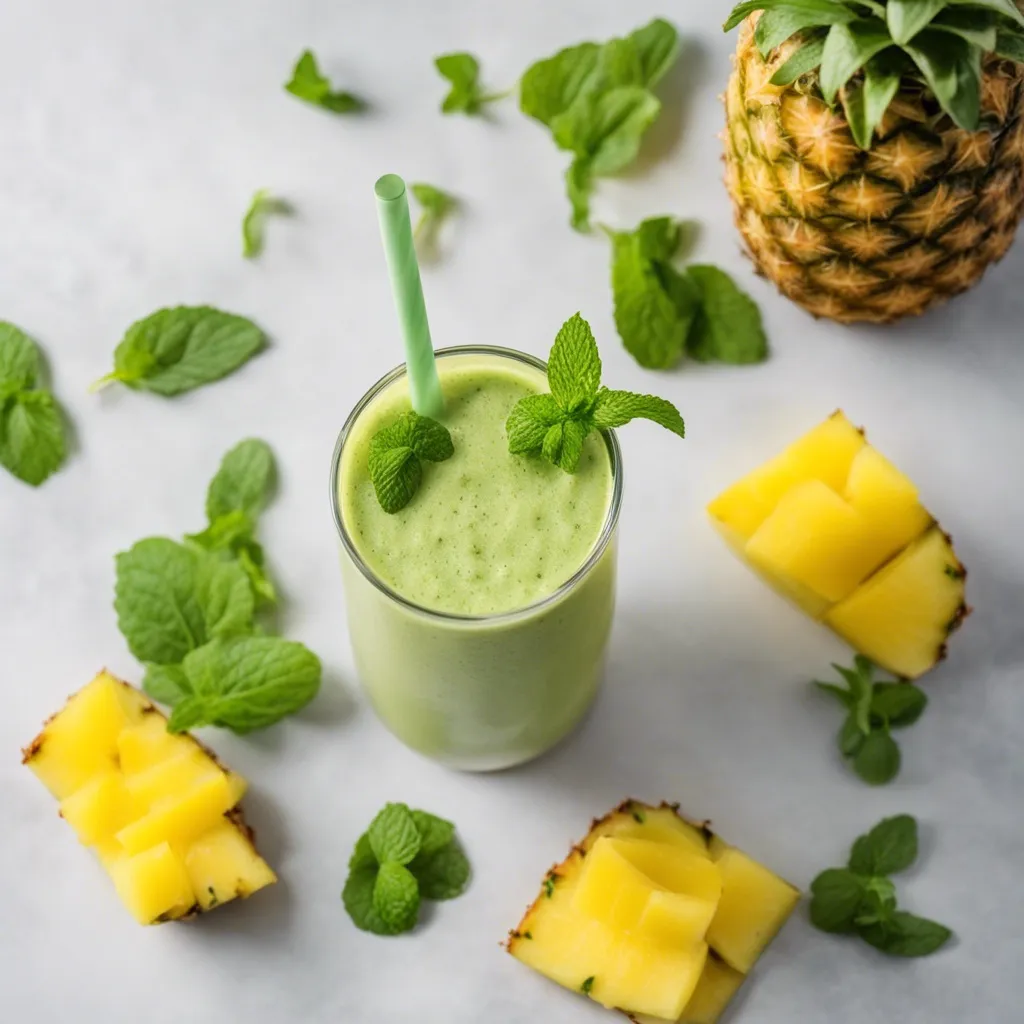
[[572, 948], [833, 539], [872, 235], [158, 810]]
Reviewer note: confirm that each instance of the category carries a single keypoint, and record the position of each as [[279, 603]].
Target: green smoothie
[[487, 531], [480, 612]]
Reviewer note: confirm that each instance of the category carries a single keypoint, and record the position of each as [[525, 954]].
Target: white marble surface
[[133, 136]]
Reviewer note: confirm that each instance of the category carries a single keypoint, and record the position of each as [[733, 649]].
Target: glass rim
[[525, 611]]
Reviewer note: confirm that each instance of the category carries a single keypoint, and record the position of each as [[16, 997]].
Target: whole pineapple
[[875, 148]]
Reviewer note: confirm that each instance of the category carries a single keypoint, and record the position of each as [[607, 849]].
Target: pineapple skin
[[138, 711], [873, 235]]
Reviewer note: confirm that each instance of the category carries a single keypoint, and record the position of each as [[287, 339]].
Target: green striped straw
[[396, 233]]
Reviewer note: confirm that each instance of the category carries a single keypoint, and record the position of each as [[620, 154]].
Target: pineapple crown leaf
[[864, 49]]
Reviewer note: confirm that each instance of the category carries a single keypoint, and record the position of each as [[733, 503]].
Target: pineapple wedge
[[623, 918], [835, 527], [158, 810]]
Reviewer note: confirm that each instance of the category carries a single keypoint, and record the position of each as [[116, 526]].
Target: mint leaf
[[843, 696], [31, 436], [247, 683], [551, 86], [890, 847], [657, 46], [176, 350], [250, 558], [223, 592], [442, 874], [357, 897], [851, 737], [877, 761], [436, 205], [224, 532], [307, 83], [158, 611], [655, 305], [836, 897], [563, 443], [617, 408], [396, 897], [19, 359], [362, 855], [394, 835], [167, 684], [905, 934], [243, 482], [879, 901], [435, 833], [395, 454], [262, 205], [898, 704], [574, 366], [529, 422], [728, 328]]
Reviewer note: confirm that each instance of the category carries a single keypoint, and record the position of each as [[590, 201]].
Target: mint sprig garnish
[[466, 96], [262, 205], [32, 444], [397, 453], [176, 350], [556, 425], [860, 899], [309, 84], [873, 709], [598, 102], [664, 312], [405, 856], [187, 610]]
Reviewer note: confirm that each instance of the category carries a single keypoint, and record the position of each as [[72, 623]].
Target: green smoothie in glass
[[478, 613]]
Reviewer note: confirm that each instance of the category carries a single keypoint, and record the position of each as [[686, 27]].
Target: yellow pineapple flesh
[[832, 540], [879, 234], [632, 916], [157, 809]]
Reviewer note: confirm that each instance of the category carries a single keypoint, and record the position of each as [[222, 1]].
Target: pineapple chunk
[[754, 906], [824, 523], [675, 919], [621, 879], [100, 808], [223, 864], [646, 971], [902, 617], [158, 810], [153, 885], [81, 741], [149, 743], [814, 537], [179, 818], [888, 499], [824, 453], [718, 984]]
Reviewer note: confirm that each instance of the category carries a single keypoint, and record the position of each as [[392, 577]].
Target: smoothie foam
[[487, 532]]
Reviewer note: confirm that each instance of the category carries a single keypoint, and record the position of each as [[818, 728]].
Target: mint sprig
[[873, 709], [405, 856], [396, 456], [435, 206], [466, 96], [175, 350], [556, 425], [663, 312], [262, 205], [187, 610], [32, 444], [860, 899], [309, 84], [598, 101]]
